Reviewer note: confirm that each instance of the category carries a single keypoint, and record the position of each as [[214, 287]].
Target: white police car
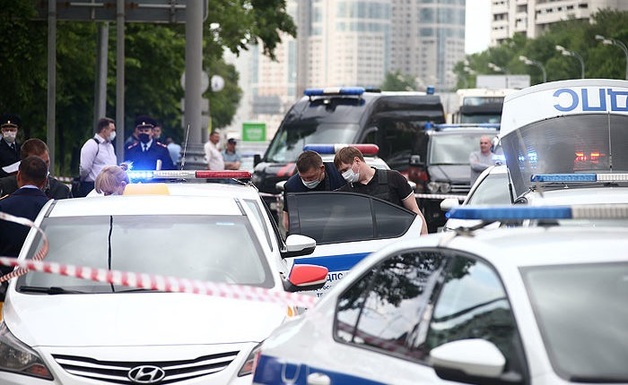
[[525, 305], [65, 330], [347, 226]]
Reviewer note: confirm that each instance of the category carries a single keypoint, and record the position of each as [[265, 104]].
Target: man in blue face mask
[[313, 175]]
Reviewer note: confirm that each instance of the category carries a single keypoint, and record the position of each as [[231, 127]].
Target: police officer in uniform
[[9, 147], [148, 154]]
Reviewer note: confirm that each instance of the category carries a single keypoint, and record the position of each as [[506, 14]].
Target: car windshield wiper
[[48, 290]]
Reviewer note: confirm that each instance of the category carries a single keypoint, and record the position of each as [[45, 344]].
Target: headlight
[[251, 361], [17, 357], [445, 188], [433, 187]]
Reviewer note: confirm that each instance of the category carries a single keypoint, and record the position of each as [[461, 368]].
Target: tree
[[154, 62], [396, 81]]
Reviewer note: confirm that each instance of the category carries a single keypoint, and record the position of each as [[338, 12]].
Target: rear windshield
[[567, 144]]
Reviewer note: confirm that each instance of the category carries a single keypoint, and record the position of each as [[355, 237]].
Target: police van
[[566, 127], [392, 120]]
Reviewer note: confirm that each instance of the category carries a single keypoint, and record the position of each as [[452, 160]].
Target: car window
[[594, 348], [383, 310], [454, 149], [254, 206], [472, 304], [334, 217], [492, 190], [207, 248]]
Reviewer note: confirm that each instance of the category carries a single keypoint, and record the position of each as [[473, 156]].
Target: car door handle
[[318, 379]]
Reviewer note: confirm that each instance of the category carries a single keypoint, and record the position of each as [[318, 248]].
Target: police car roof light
[[366, 149], [356, 91], [516, 212], [575, 178], [467, 125], [188, 174]]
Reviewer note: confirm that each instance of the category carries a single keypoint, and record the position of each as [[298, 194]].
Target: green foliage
[[601, 61], [396, 81], [154, 63]]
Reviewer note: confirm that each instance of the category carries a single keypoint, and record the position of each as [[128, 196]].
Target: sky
[[477, 29]]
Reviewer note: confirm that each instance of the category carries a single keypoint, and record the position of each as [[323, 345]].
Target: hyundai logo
[[146, 374]]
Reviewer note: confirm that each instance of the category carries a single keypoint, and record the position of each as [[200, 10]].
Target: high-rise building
[[533, 17], [428, 40]]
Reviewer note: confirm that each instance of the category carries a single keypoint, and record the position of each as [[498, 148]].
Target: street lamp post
[[496, 68], [566, 52], [618, 43], [534, 63]]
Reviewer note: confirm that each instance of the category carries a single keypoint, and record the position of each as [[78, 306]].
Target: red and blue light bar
[[353, 91], [365, 148], [187, 174], [519, 212], [579, 178]]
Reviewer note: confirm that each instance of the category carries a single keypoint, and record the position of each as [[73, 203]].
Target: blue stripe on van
[[275, 371], [333, 262]]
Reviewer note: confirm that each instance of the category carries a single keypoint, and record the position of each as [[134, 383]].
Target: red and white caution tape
[[39, 255], [165, 283], [439, 196]]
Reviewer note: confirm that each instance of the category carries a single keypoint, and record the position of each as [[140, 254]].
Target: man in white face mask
[[388, 185], [313, 175], [9, 147], [96, 153]]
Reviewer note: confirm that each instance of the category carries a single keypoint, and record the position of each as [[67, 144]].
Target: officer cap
[[9, 120], [145, 121]]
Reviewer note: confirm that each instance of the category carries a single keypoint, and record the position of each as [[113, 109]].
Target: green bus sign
[[254, 132]]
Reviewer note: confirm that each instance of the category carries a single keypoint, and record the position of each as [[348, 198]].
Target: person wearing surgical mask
[[9, 147], [388, 185], [96, 153], [313, 175]]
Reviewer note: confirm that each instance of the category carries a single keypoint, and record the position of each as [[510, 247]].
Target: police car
[[524, 305], [59, 329], [391, 120], [347, 226]]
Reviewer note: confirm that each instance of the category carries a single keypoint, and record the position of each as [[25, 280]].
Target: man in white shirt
[[481, 160], [97, 153], [213, 156]]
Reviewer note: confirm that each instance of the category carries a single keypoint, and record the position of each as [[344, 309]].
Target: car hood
[[138, 319], [450, 172]]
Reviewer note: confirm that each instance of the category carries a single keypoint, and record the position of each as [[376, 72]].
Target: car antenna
[[185, 146]]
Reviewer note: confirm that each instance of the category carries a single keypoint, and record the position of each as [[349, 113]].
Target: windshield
[[454, 149], [206, 248], [567, 144], [288, 143], [582, 322], [481, 118], [492, 190]]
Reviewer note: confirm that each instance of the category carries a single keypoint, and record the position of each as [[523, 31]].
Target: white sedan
[[65, 330], [525, 305]]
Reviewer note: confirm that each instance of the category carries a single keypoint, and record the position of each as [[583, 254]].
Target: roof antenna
[[185, 147]]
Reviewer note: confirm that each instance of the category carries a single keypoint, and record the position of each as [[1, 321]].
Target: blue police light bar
[[467, 125], [139, 174], [578, 178], [430, 90], [187, 174], [326, 149], [516, 212], [355, 91]]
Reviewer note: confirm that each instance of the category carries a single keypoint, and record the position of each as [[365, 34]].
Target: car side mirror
[[306, 278], [298, 245], [449, 203], [257, 159]]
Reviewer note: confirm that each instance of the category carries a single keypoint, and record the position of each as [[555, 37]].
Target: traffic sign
[[138, 11]]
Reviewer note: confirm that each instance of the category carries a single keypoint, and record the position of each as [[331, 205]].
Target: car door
[[347, 227], [412, 301]]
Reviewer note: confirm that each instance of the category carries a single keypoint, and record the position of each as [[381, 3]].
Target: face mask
[[9, 136], [112, 136], [144, 138], [350, 176], [311, 184]]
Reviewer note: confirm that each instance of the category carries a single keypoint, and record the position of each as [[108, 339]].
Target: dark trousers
[[86, 187]]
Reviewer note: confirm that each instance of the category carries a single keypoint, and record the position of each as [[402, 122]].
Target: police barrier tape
[[39, 255], [165, 283], [439, 196], [142, 280]]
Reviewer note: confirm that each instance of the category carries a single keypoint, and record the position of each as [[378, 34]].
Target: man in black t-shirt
[[388, 185], [313, 175]]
